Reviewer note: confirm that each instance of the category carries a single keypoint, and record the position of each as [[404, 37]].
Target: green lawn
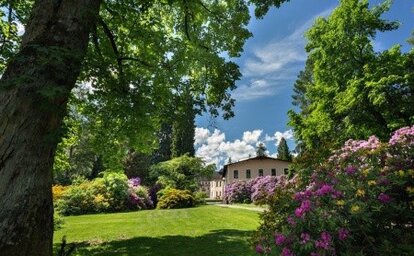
[[201, 231]]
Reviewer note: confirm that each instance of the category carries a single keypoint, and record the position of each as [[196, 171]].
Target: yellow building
[[247, 169]]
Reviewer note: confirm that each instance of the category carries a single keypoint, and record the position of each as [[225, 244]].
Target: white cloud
[[201, 136], [275, 65], [288, 135], [213, 148], [20, 28], [252, 137]]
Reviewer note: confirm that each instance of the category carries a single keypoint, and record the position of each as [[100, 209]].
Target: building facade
[[254, 167], [216, 188], [247, 169]]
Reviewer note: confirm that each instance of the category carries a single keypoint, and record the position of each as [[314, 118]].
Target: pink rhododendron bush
[[258, 190], [359, 202]]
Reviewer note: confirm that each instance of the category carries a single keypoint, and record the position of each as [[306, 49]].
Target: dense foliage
[[348, 90], [172, 198], [182, 172], [111, 193], [359, 202]]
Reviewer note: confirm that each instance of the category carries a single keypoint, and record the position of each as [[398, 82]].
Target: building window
[[273, 172], [260, 172], [236, 174], [248, 174], [286, 171]]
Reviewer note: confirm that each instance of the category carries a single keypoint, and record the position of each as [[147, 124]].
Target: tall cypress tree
[[183, 129], [283, 152], [163, 153]]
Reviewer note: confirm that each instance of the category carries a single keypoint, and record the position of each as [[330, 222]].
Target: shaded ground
[[219, 242]]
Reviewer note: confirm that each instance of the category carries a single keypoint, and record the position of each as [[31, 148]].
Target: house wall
[[216, 189], [254, 165]]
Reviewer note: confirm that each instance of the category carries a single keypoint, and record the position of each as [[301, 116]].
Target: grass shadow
[[224, 242]]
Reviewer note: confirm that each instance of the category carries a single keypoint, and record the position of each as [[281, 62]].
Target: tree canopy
[[348, 90]]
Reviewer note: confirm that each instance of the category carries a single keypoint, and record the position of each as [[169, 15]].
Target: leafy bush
[[57, 221], [200, 197], [181, 172], [359, 202], [57, 191], [238, 192], [175, 198], [115, 189], [77, 199], [138, 195]]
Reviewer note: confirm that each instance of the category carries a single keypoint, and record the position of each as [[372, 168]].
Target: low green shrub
[[174, 198], [200, 197], [77, 199], [106, 194]]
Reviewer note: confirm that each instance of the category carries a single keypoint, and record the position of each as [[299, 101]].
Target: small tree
[[261, 150], [283, 152], [182, 172]]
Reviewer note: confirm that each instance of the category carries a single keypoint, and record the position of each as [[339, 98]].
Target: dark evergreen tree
[[283, 152], [163, 152], [261, 150], [137, 164], [97, 167], [183, 128]]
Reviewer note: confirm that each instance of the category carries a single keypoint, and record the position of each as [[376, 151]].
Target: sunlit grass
[[206, 230]]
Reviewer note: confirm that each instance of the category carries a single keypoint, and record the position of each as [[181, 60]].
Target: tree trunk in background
[[33, 94]]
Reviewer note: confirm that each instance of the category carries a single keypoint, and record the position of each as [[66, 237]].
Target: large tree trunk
[[33, 94]]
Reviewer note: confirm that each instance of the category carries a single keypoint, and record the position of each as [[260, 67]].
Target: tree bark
[[34, 91]]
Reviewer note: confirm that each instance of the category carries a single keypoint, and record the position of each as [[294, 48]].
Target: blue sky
[[271, 60]]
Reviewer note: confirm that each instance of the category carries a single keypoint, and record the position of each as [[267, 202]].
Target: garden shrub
[[200, 197], [77, 199], [57, 191], [138, 195], [263, 188], [258, 190], [238, 192], [57, 221], [359, 202], [116, 189], [111, 193], [175, 198]]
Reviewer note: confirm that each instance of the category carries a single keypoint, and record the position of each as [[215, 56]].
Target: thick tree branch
[[111, 39]]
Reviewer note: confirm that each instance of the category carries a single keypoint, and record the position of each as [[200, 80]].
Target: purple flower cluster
[[134, 182], [343, 233], [238, 192], [353, 146], [404, 135], [280, 239], [324, 242], [138, 195], [384, 198], [258, 190], [264, 187], [305, 207]]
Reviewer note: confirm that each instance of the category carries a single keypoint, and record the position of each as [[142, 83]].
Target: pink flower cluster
[[305, 207], [404, 135], [324, 242]]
